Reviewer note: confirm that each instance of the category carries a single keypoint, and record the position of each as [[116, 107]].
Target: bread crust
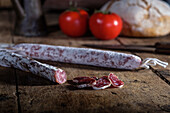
[[142, 18]]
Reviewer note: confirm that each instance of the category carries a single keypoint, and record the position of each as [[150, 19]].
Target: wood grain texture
[[64, 4], [143, 91], [5, 27], [145, 41], [5, 4], [8, 99]]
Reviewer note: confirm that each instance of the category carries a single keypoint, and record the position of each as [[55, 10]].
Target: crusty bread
[[142, 18]]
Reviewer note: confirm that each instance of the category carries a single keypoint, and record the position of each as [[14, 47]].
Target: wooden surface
[[22, 92], [64, 4], [5, 3]]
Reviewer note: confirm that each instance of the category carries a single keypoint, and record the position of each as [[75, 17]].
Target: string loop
[[153, 62]]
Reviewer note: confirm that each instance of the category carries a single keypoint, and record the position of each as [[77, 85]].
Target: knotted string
[[153, 62]]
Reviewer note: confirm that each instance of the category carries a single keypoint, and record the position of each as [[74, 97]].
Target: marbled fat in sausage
[[102, 83], [115, 81], [83, 82], [84, 56], [10, 59]]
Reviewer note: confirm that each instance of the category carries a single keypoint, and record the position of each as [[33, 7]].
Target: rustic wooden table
[[22, 92]]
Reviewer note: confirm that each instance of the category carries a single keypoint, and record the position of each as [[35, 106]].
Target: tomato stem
[[104, 12], [73, 7]]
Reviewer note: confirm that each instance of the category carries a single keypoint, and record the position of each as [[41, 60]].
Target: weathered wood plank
[[164, 71], [5, 4], [143, 41], [141, 92], [5, 27], [64, 4], [58, 38], [8, 99]]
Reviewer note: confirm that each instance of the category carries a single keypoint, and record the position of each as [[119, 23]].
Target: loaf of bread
[[142, 18]]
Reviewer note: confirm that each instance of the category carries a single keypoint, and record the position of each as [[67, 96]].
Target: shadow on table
[[9, 75], [85, 67], [133, 37]]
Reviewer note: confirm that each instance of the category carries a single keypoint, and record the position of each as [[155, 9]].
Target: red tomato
[[74, 23], [105, 26]]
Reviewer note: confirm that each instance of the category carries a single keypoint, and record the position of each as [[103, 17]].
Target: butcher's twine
[[153, 62]]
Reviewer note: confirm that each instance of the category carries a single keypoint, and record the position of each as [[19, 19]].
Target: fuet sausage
[[84, 56], [10, 59]]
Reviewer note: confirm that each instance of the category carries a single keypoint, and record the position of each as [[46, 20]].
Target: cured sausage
[[115, 81], [82, 82], [102, 83], [10, 59], [94, 82], [84, 56]]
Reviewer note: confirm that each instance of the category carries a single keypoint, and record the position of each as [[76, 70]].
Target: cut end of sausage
[[60, 76], [115, 81]]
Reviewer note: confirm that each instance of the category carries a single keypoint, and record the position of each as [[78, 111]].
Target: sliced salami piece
[[115, 81], [84, 56], [96, 78], [10, 59], [102, 83], [82, 82]]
